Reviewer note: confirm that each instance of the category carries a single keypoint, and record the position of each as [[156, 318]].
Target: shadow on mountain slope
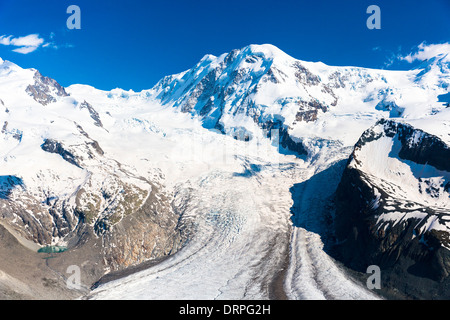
[[7, 185], [313, 207]]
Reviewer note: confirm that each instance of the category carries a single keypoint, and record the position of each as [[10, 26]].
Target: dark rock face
[[5, 126], [45, 90], [304, 75], [91, 142], [5, 107], [308, 111], [414, 259], [14, 133], [151, 232], [430, 150], [7, 184], [285, 140], [337, 80], [39, 231], [53, 146], [93, 113]]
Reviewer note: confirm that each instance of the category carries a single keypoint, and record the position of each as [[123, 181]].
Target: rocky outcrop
[[7, 184], [45, 90], [285, 139], [54, 146], [308, 111], [378, 222], [304, 75], [14, 133], [93, 113], [5, 108], [151, 232]]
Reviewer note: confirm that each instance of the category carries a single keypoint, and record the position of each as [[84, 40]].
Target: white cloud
[[25, 44], [32, 40], [25, 50], [426, 51], [5, 40]]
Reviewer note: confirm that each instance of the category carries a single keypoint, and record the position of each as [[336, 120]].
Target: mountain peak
[[265, 48], [269, 51]]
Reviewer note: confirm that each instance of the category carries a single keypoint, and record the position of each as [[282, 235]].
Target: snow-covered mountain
[[392, 206], [262, 84], [123, 177], [59, 185]]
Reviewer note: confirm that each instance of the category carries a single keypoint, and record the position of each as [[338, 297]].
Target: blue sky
[[132, 44]]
